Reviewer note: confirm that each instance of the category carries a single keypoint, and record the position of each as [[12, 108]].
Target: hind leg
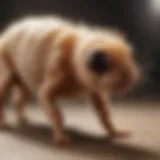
[[19, 97], [6, 79]]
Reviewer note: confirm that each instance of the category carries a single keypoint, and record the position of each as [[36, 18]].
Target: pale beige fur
[[47, 56]]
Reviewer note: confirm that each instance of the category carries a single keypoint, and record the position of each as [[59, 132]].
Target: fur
[[47, 56]]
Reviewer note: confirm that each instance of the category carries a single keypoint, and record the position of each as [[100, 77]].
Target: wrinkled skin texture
[[47, 57]]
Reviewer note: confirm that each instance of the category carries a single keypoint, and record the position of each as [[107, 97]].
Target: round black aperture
[[98, 62]]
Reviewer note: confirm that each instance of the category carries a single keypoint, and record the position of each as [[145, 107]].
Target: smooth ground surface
[[89, 139]]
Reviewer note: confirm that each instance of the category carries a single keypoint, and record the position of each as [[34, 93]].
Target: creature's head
[[105, 62]]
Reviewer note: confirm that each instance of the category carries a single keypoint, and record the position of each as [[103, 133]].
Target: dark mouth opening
[[98, 62]]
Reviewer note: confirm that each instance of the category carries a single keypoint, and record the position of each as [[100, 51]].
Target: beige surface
[[89, 141]]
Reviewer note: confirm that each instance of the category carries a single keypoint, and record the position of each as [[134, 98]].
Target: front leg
[[47, 97], [54, 77], [99, 103]]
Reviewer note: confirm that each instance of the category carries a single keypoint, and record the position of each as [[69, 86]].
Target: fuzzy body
[[29, 44], [47, 56]]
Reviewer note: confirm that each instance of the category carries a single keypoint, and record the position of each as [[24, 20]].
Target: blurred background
[[140, 20]]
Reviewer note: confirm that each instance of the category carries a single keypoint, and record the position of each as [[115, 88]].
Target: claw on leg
[[121, 134], [61, 140]]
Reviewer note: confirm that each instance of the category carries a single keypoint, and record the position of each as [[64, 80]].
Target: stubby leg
[[19, 97], [54, 77], [47, 97], [101, 107], [6, 80]]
